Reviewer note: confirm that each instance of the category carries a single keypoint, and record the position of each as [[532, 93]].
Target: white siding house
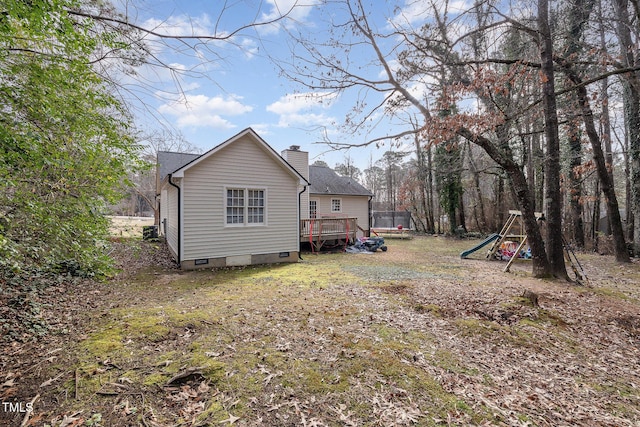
[[236, 204], [330, 195], [339, 197]]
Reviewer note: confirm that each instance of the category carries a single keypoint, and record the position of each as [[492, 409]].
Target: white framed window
[[255, 206], [336, 205], [245, 206], [235, 206], [313, 209]]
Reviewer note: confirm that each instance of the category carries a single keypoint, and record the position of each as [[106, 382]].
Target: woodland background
[[482, 124], [532, 105]]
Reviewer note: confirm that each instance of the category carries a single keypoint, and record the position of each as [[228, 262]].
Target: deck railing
[[320, 229]]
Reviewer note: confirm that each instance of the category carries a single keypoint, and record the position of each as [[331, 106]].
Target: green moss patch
[[342, 339]]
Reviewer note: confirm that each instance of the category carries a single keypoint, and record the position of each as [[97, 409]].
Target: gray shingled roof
[[325, 181], [170, 162]]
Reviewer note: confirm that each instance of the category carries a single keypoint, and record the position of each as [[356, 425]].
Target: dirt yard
[[412, 336]]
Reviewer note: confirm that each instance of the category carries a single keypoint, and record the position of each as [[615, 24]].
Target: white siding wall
[[163, 210], [352, 206], [242, 164], [304, 204], [169, 210]]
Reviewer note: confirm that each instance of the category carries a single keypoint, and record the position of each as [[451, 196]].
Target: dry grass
[[412, 336], [128, 226]]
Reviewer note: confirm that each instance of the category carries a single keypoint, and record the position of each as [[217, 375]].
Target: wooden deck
[[320, 231]]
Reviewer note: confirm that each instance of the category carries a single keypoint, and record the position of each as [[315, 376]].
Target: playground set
[[511, 244]]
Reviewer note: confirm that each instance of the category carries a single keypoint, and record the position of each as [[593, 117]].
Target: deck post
[[317, 231]]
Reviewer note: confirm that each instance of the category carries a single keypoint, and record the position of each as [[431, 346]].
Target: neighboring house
[[236, 204], [331, 195]]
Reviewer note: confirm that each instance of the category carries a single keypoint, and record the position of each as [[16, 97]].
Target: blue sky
[[216, 92]]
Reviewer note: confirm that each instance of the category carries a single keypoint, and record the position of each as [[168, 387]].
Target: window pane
[[235, 206], [255, 210], [313, 207], [244, 205]]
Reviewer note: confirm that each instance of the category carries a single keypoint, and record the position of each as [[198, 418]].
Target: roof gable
[[325, 180], [189, 162]]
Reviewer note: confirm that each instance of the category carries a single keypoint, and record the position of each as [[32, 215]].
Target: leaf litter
[[407, 337]]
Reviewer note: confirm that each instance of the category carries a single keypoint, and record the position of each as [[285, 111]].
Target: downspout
[[370, 216], [179, 220], [299, 211]]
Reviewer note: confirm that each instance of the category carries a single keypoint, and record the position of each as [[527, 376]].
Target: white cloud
[[299, 109], [203, 111], [249, 47], [292, 103], [172, 61], [305, 120], [415, 13], [180, 25], [412, 13], [393, 64], [459, 6], [200, 54], [194, 121], [262, 129], [296, 12]]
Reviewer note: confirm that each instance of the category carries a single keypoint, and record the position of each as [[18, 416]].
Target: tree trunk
[[499, 203], [605, 119], [578, 17], [555, 248], [631, 100], [595, 218], [611, 200], [540, 264], [575, 185], [462, 220], [627, 188], [430, 216], [538, 153], [633, 117], [480, 215], [423, 186], [478, 206], [530, 165]]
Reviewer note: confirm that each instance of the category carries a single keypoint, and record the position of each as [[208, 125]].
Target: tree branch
[[217, 37]]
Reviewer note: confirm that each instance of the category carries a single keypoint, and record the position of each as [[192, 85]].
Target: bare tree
[[552, 164], [415, 59], [124, 46], [143, 42], [348, 168], [578, 15], [628, 33]]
